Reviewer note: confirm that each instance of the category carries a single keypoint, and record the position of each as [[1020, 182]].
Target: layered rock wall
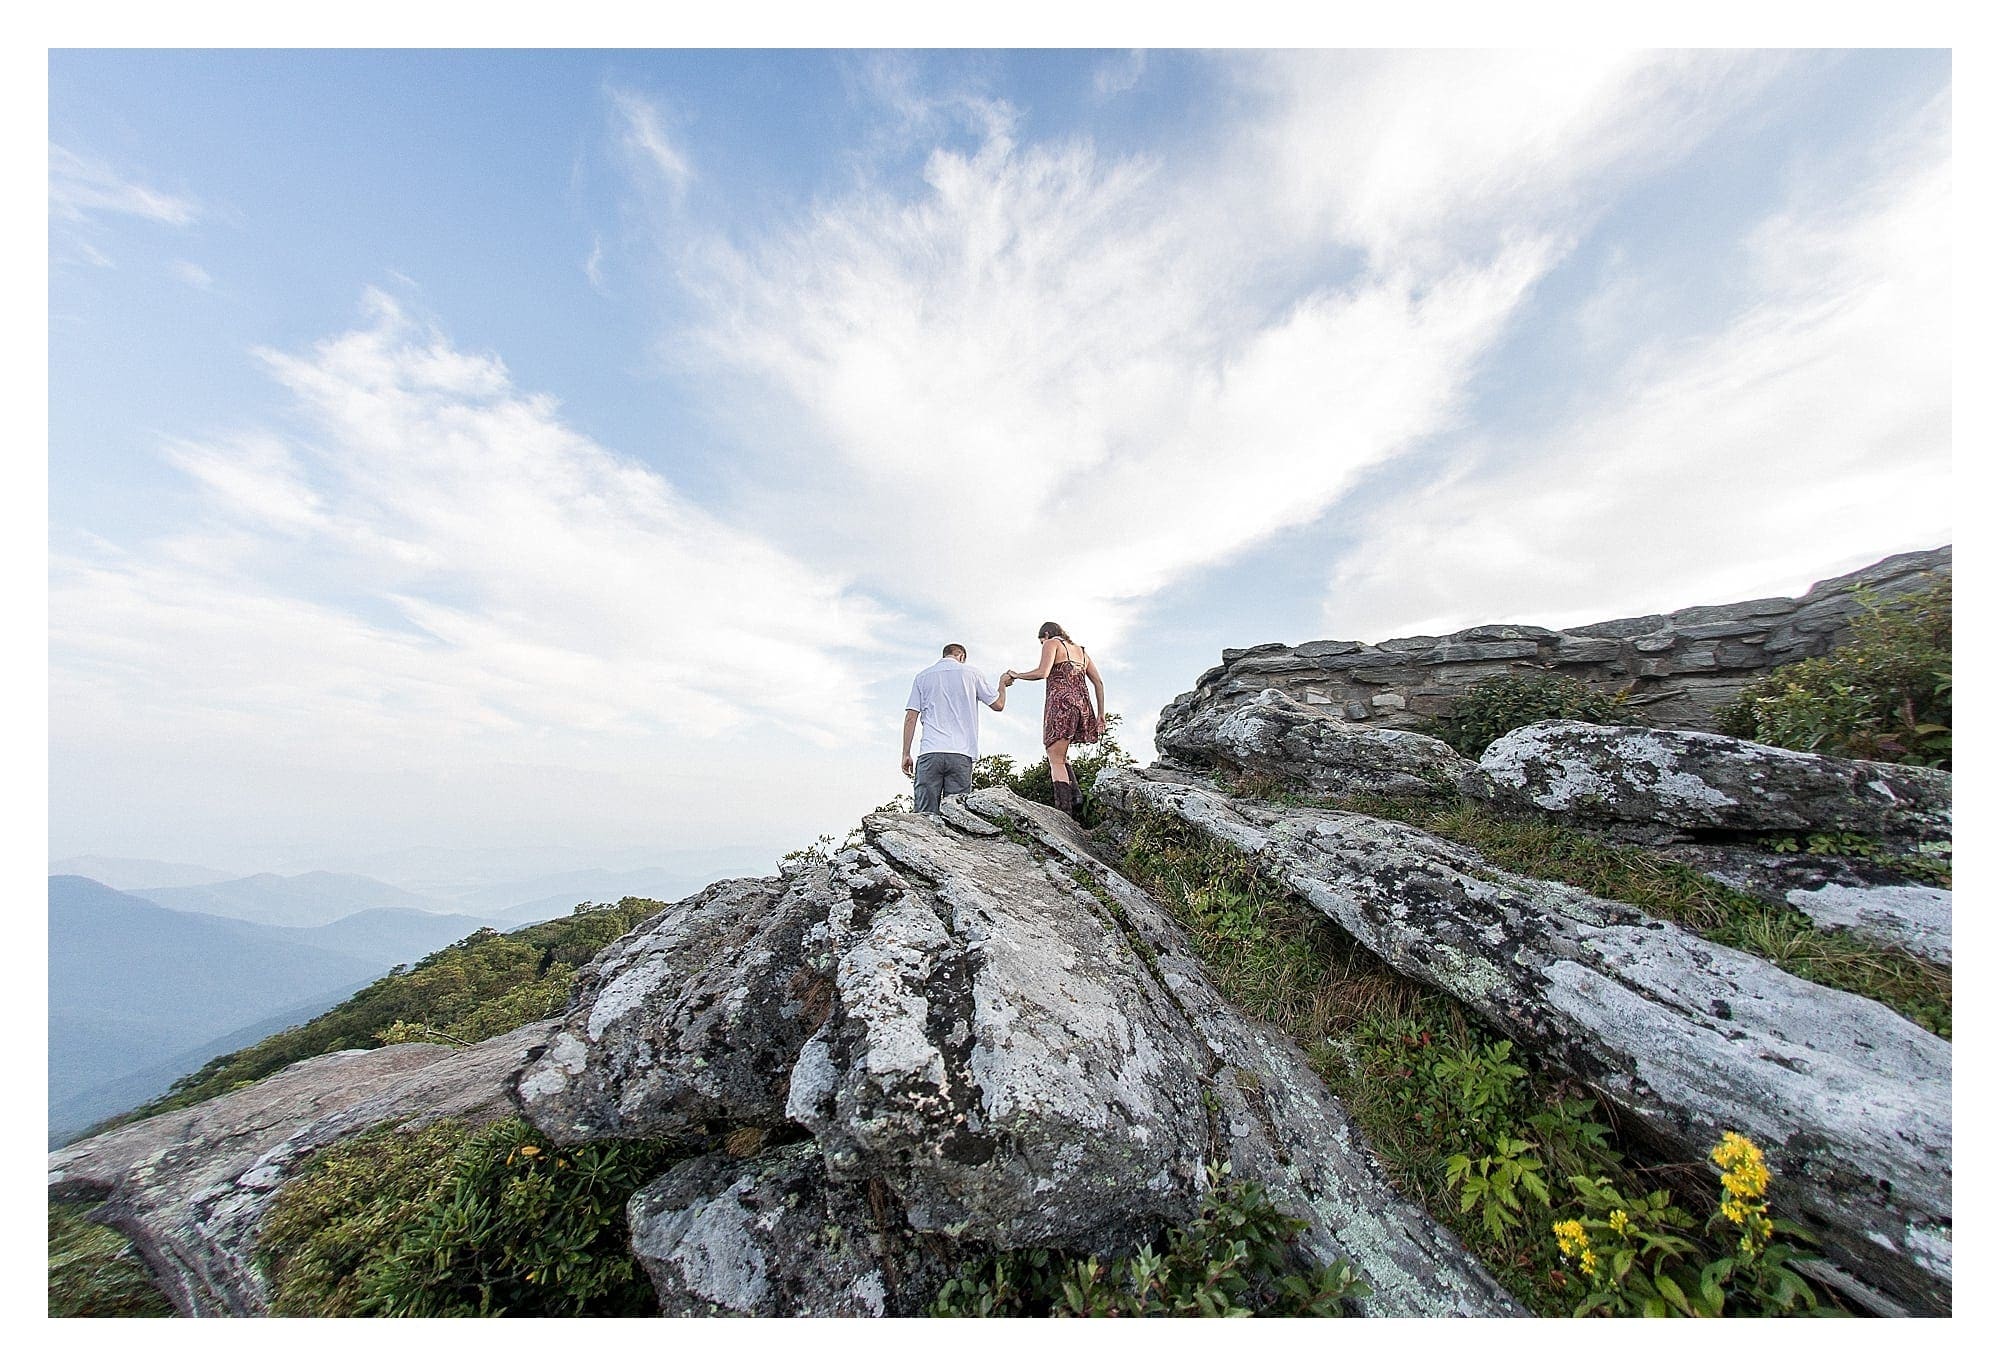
[[1680, 667]]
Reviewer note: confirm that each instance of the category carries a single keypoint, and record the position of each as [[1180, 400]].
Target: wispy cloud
[[1116, 75], [429, 560], [642, 131], [83, 188], [1052, 383], [192, 275], [1808, 436]]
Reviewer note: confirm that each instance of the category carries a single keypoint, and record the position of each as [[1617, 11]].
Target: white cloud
[[1116, 75], [82, 188], [643, 133], [434, 564], [193, 275], [1810, 435], [1052, 383]]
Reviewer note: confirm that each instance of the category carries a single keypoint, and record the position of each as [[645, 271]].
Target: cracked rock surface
[[190, 1187], [1851, 1102], [1682, 782], [1011, 1048], [1309, 747]]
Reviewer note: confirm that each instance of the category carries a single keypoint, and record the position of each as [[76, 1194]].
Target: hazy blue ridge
[[133, 984], [77, 1111], [305, 899]]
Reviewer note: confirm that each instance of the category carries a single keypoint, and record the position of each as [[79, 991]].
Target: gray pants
[[940, 775]]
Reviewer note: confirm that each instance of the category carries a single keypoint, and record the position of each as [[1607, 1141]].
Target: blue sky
[[583, 448]]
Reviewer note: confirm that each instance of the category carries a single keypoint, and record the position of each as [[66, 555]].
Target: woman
[[1067, 717]]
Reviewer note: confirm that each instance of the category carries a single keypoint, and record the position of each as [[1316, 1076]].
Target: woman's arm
[[1096, 682], [1042, 669]]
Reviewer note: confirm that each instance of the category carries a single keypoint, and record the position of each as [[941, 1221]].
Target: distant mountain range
[[134, 985], [125, 874], [156, 967], [268, 899]]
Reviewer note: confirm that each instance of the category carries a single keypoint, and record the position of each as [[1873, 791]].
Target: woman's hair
[[1050, 630]]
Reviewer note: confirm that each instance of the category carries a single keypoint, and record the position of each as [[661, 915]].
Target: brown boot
[[1066, 799]]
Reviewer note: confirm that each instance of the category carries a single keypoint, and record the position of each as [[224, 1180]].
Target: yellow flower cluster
[[1619, 1222], [1744, 1179], [1574, 1241]]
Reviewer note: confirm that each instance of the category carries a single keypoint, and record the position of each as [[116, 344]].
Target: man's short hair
[[955, 649]]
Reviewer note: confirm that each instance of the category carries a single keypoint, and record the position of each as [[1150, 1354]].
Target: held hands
[[1006, 678]]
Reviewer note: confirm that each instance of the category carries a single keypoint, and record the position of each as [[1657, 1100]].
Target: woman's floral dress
[[1066, 710]]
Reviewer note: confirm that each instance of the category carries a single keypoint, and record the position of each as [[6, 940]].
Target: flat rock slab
[[1305, 747], [1851, 1102], [190, 1187], [1835, 893], [1692, 782]]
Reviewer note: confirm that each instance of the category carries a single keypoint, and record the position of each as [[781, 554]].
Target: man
[[946, 697]]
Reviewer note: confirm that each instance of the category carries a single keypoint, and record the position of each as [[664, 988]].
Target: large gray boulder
[[190, 1187], [1690, 782], [1309, 747], [1851, 1102], [1276, 1120], [690, 1022], [1009, 1047]]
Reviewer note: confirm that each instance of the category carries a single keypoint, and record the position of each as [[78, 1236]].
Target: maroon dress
[[1066, 710]]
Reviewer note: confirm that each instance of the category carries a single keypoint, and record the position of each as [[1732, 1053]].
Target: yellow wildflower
[[1571, 1238], [1619, 1221], [530, 1150]]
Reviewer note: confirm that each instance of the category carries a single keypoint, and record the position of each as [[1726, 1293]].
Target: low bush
[[448, 1221], [1035, 783], [1488, 710], [94, 1272], [1491, 1144], [1886, 695], [1238, 1258]]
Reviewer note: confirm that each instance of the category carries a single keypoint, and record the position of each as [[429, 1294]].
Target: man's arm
[[986, 694], [909, 734]]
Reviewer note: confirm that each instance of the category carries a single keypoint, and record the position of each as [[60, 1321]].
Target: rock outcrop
[[1686, 1038], [1669, 784], [1681, 667], [1009, 1047], [190, 1187], [1306, 747]]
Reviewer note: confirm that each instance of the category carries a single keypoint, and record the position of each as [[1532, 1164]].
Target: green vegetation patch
[[94, 1271], [1886, 695], [1913, 988], [484, 985], [1034, 782], [1487, 711], [1238, 1258], [1522, 1164], [449, 1221]]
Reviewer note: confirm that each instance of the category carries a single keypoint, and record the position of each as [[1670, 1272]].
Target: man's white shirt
[[947, 697]]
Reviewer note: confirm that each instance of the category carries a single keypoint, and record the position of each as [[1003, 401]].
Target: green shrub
[[1886, 695], [485, 984], [448, 1221], [1035, 783], [1488, 710], [1239, 1257], [1493, 1145], [94, 1271]]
